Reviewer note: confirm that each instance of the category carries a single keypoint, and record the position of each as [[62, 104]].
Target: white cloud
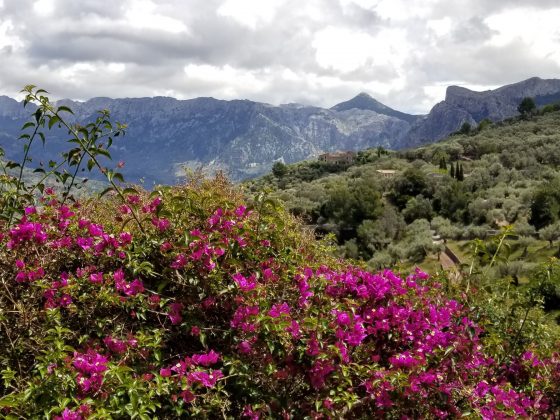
[[233, 82], [7, 38], [348, 50], [250, 13], [539, 31], [143, 14], [440, 27], [44, 7], [116, 67], [320, 52]]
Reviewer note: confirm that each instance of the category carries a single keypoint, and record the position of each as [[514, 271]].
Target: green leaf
[[105, 191], [38, 114], [129, 190], [27, 125], [53, 120], [64, 108], [118, 176]]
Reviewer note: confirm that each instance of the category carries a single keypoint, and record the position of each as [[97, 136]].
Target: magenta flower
[[279, 309], [165, 372], [68, 414], [180, 262], [294, 329], [115, 345], [206, 359], [207, 379], [174, 313], [245, 284], [245, 347], [161, 224], [96, 278]]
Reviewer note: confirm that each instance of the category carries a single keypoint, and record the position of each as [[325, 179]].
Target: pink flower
[[207, 379], [245, 347], [96, 278], [165, 372], [161, 224], [174, 313], [279, 309], [187, 396], [294, 330], [133, 199], [206, 359], [245, 284], [180, 262], [68, 414]]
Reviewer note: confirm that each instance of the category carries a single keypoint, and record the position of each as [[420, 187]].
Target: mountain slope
[[242, 137], [463, 105]]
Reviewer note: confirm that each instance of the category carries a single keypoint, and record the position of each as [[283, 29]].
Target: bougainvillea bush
[[212, 307]]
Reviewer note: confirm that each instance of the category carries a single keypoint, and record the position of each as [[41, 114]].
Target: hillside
[[510, 173]]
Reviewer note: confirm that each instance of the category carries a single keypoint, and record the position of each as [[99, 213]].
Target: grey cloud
[[92, 31], [471, 31]]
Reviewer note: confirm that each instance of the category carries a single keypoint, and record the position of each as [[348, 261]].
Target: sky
[[404, 53]]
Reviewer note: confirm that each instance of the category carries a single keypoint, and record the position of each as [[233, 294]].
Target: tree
[[545, 206], [442, 163], [411, 183], [484, 124], [465, 128], [418, 208], [452, 171], [279, 170], [527, 107], [459, 172], [550, 233]]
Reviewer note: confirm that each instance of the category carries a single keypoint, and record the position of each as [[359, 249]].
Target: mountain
[[244, 138], [365, 102], [241, 137], [463, 105]]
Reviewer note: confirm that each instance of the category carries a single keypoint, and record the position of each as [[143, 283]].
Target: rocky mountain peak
[[364, 101]]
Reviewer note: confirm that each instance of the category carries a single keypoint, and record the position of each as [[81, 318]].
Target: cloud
[[403, 52]]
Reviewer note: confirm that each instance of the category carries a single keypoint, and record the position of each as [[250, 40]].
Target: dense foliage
[[466, 187], [220, 309], [196, 301]]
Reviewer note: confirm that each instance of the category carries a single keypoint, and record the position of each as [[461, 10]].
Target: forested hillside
[[472, 185]]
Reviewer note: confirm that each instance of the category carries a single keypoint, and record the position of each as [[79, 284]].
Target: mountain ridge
[[244, 138]]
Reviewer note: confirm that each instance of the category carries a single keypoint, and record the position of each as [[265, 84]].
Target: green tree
[[527, 107], [418, 208], [550, 233], [545, 206], [452, 171], [279, 170], [459, 172], [465, 128], [411, 183]]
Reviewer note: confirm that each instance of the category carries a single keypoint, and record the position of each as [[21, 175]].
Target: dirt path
[[446, 262]]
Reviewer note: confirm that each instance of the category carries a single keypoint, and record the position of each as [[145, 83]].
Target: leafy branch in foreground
[[89, 143]]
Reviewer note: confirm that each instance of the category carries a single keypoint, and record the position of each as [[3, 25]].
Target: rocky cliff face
[[463, 105]]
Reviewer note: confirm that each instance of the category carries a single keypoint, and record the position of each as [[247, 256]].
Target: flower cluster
[[90, 368], [213, 309]]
